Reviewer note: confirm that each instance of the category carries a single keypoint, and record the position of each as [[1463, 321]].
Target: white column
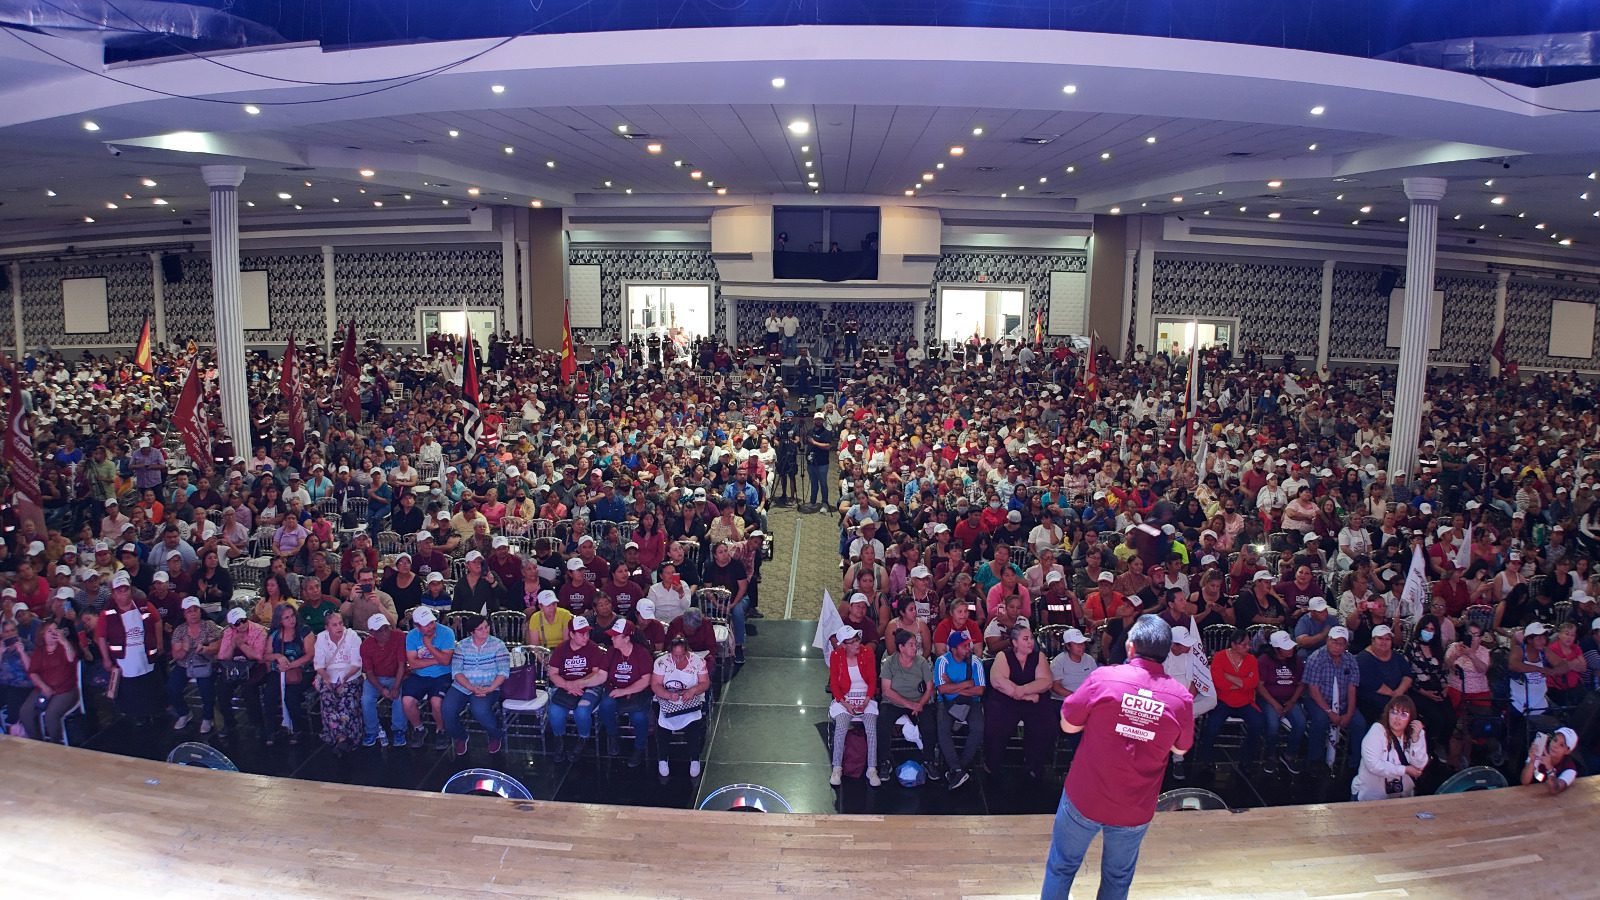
[[1325, 323], [510, 320], [330, 298], [158, 289], [1501, 281], [730, 321], [919, 321], [15, 270], [1120, 340], [1146, 291], [227, 313], [1422, 245]]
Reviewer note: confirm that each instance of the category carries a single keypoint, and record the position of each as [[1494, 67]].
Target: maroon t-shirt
[[576, 664], [1132, 715], [508, 568], [628, 668], [575, 598], [1280, 677], [383, 660], [623, 596]]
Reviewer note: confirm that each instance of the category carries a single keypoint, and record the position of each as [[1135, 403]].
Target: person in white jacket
[[1393, 754], [1187, 664]]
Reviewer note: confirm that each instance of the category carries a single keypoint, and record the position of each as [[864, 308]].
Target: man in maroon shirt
[[503, 563], [624, 592], [576, 594], [1133, 717]]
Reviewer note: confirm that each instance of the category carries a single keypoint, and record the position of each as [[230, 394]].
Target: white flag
[[1416, 589], [827, 623], [1464, 552], [1292, 387]]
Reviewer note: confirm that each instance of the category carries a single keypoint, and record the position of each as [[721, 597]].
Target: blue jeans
[[610, 720], [178, 680], [736, 617], [482, 709], [1252, 731], [1070, 839], [818, 476], [558, 714], [791, 346], [1317, 725], [369, 707], [1296, 717]]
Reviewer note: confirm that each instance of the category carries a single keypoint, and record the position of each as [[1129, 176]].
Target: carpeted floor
[[813, 560]]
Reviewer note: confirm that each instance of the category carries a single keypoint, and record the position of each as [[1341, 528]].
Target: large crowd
[[592, 559]]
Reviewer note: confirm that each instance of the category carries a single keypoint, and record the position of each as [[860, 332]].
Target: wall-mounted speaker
[[1387, 279], [5, 277], [171, 268]]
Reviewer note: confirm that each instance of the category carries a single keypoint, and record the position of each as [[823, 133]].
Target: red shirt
[[1247, 672], [623, 596], [627, 668], [575, 598], [1132, 714], [53, 668], [384, 660], [575, 665]]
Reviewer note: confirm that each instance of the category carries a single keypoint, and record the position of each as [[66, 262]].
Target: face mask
[[1425, 635], [995, 505]]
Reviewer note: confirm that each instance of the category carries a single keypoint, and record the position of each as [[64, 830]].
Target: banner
[[1414, 594], [190, 419], [1091, 374], [289, 386], [1464, 552], [19, 456], [350, 376], [569, 361], [471, 423], [141, 353]]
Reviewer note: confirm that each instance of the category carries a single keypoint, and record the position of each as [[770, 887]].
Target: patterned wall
[[643, 264], [882, 322], [1031, 269], [128, 295], [382, 289], [1361, 316], [1277, 303], [1528, 323], [294, 297]]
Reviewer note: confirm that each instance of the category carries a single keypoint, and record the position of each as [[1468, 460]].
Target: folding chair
[[1215, 638], [509, 626], [717, 604], [534, 707]]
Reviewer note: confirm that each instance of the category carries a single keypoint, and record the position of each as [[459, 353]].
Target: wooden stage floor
[[77, 823]]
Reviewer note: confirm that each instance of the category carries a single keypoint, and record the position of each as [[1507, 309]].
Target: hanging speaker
[[171, 268], [1387, 279], [5, 277]]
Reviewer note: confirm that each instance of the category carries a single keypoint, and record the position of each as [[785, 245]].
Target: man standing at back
[[1132, 716]]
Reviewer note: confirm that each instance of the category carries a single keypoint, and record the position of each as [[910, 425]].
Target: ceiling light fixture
[[473, 192], [1318, 110], [808, 163], [697, 174], [1591, 175], [722, 192], [285, 195], [1402, 220], [1355, 221], [1540, 226], [1071, 169], [977, 132], [1365, 210], [536, 204], [497, 88], [1106, 155], [509, 150], [1274, 215], [1565, 242], [779, 82], [1497, 201], [1043, 179], [608, 184], [252, 109], [1488, 182], [799, 126], [377, 203], [549, 164], [250, 203], [805, 148], [1312, 147], [627, 190], [298, 206], [159, 202], [455, 133], [1274, 183], [1583, 196], [111, 206], [49, 193], [918, 185], [1316, 212], [1456, 217], [957, 151], [938, 166], [1004, 195], [336, 199], [406, 196], [444, 202], [927, 176], [1178, 199], [652, 148], [91, 126], [367, 173], [813, 184], [89, 219], [1243, 208], [677, 164], [148, 182], [910, 193], [1339, 197], [1069, 89], [1116, 210], [1150, 140]]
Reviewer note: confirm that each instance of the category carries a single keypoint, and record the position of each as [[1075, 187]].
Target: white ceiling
[[883, 106]]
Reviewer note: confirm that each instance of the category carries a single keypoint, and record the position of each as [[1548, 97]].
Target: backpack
[[855, 753]]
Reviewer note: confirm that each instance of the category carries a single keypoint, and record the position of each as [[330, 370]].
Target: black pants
[[292, 696], [1438, 721], [249, 692], [695, 732], [927, 723]]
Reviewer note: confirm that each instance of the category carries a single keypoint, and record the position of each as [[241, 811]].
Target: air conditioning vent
[[297, 168], [987, 169], [1240, 154], [1038, 140]]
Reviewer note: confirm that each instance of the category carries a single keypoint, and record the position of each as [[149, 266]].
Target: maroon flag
[[1498, 351], [472, 421], [350, 376], [19, 456], [289, 386], [190, 420]]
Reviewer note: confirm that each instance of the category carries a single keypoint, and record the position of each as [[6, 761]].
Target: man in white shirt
[[791, 328], [1187, 664], [774, 326]]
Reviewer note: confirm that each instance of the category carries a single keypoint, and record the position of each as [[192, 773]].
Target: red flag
[[1038, 327], [1091, 375], [1498, 351], [289, 386], [190, 420], [569, 361], [141, 353], [350, 376], [19, 456], [471, 423]]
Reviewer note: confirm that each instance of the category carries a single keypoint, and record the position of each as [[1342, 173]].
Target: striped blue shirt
[[481, 664]]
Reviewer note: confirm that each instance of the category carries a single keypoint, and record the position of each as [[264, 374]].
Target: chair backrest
[[1215, 638], [1049, 639], [716, 603], [542, 528], [1563, 611], [1183, 799], [513, 526], [457, 623], [1259, 634], [1479, 614], [509, 626], [1021, 555], [389, 543]]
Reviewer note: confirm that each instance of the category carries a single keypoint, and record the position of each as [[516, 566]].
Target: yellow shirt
[[546, 633]]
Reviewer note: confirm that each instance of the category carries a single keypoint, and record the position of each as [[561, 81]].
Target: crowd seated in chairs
[[976, 493]]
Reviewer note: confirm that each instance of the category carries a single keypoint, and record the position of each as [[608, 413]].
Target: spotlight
[[486, 783], [748, 798]]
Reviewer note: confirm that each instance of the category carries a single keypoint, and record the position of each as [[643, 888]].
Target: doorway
[[680, 313], [990, 313], [1186, 333], [484, 322]]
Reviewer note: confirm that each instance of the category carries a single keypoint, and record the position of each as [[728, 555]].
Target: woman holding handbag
[[292, 652], [337, 659], [679, 681]]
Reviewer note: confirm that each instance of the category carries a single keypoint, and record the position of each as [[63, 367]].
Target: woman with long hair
[[1393, 753], [1426, 653]]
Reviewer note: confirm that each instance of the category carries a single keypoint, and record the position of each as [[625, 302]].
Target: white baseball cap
[[845, 632], [1338, 632], [499, 541], [1281, 640], [1073, 636], [423, 615], [1106, 576], [546, 598], [646, 609], [574, 564], [1532, 629], [236, 615], [1382, 631], [1317, 604], [376, 621], [190, 603], [921, 572], [1183, 637]]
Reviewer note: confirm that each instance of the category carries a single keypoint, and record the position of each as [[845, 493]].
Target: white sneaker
[[205, 726], [837, 777], [694, 769], [183, 722], [872, 777], [661, 766]]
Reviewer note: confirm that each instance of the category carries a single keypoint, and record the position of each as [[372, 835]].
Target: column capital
[[1425, 190], [222, 176]]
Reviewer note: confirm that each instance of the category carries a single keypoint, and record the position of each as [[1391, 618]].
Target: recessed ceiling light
[[1339, 197], [1177, 199], [497, 88], [1540, 226], [627, 190], [808, 163], [927, 176], [1482, 227], [1022, 187], [1583, 196], [677, 163], [622, 129], [1355, 221], [652, 148], [722, 192], [1069, 89], [1206, 213], [957, 151], [90, 126], [1497, 201], [1316, 212], [549, 164], [252, 109], [977, 132], [1071, 169], [779, 82], [1106, 155], [697, 174], [444, 202], [536, 204], [509, 150], [159, 202], [608, 184], [1522, 215], [1043, 179], [336, 199], [799, 126], [250, 203], [1318, 110], [1274, 215], [455, 133], [1489, 182], [298, 206], [1365, 210], [127, 196], [49, 193], [285, 195], [1456, 217], [361, 190], [918, 185], [89, 219], [473, 192], [1312, 147], [1274, 183], [1150, 140], [938, 165], [377, 203], [407, 196], [1591, 176], [910, 193], [148, 182], [1116, 210], [1565, 242], [1004, 195], [367, 173], [805, 148], [813, 184], [1402, 219]]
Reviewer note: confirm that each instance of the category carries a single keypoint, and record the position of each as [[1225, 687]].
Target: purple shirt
[[1132, 715]]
